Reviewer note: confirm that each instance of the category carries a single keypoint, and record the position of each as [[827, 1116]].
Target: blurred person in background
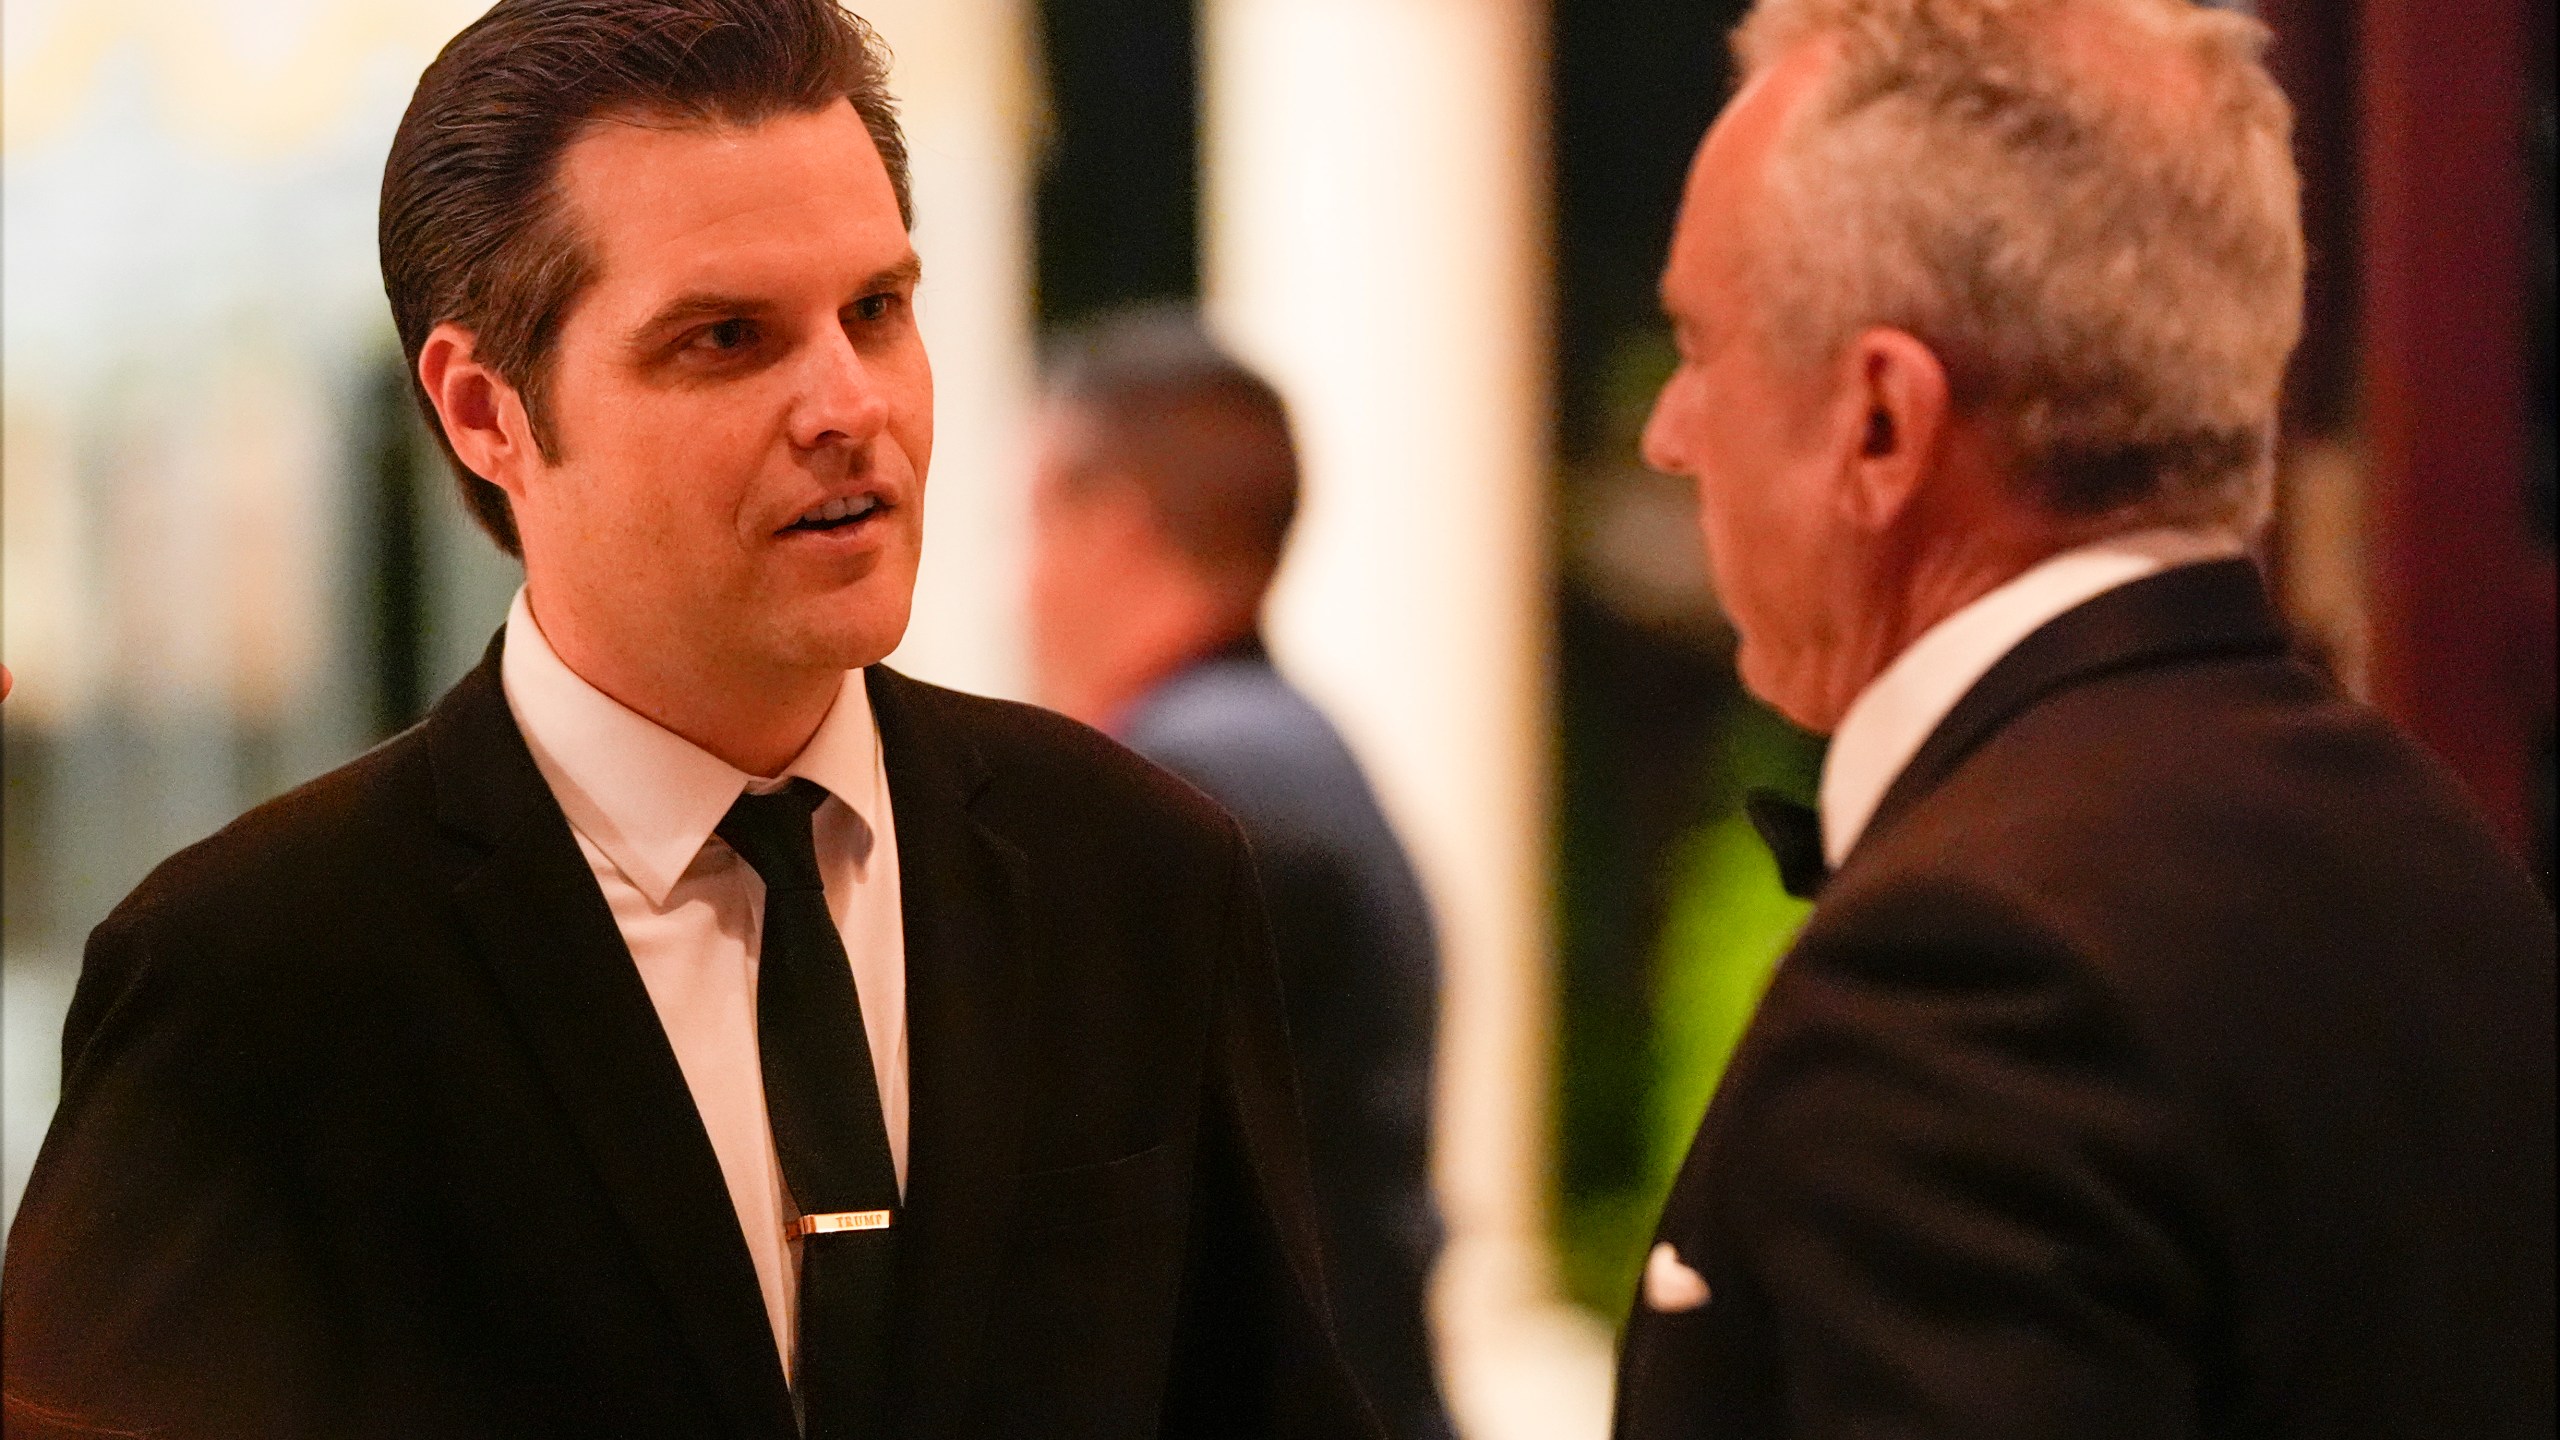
[[2170, 1050], [690, 1028], [1166, 480]]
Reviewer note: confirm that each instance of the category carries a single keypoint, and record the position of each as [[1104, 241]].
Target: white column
[[1374, 224], [965, 88]]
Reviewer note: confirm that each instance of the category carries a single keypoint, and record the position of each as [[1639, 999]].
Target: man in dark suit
[[692, 1028], [1166, 481], [2170, 1050]]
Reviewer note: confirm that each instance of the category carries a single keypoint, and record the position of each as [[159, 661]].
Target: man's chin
[[837, 641]]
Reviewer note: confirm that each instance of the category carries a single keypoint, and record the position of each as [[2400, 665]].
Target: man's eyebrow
[[905, 275]]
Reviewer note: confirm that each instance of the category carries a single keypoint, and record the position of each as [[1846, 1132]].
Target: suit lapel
[[965, 895], [550, 939], [2191, 612]]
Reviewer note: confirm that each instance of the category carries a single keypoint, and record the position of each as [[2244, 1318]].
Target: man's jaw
[[1809, 682]]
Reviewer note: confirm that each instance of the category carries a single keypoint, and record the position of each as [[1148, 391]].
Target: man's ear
[[483, 416], [1899, 389]]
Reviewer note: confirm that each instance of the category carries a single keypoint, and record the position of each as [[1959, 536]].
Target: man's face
[[1758, 437], [1087, 540], [740, 403]]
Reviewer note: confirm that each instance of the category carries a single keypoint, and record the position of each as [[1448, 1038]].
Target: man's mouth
[[838, 514]]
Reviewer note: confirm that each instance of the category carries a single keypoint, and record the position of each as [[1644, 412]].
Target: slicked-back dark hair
[[1203, 437], [473, 228]]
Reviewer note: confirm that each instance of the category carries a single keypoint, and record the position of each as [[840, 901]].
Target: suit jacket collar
[[2192, 612], [970, 933], [532, 908], [549, 939], [1884, 727]]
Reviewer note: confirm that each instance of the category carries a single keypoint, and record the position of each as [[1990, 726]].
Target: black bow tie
[[1793, 834]]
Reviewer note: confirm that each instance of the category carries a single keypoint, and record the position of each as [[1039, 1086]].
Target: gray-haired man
[[2171, 1051]]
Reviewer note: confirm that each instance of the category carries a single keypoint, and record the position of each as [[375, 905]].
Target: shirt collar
[[1886, 725], [644, 795]]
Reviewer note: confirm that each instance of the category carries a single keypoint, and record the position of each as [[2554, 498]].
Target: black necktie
[[824, 1107], [1793, 834]]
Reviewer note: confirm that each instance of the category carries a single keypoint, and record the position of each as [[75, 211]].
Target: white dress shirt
[[1886, 725], [643, 802]]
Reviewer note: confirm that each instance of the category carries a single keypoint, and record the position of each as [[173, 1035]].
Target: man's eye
[[875, 307], [728, 335]]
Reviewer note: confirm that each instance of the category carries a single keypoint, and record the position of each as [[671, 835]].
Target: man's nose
[[841, 402], [1660, 444]]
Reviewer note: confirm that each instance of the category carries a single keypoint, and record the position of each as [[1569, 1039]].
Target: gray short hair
[[2087, 208]]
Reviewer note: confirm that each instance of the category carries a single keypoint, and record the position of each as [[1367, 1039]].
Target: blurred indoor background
[[231, 560]]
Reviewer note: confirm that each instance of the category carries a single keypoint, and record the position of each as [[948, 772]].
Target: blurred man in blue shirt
[[1167, 481]]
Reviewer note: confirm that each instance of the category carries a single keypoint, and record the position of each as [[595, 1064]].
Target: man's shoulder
[[2238, 754], [1234, 709], [313, 846], [1046, 772], [1242, 733], [2168, 829]]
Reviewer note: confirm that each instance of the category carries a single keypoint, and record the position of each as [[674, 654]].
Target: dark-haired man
[[691, 1028], [1166, 480]]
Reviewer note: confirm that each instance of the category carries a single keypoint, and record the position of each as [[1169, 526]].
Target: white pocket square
[[1669, 1286]]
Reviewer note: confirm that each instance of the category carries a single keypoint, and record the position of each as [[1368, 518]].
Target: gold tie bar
[[840, 1221]]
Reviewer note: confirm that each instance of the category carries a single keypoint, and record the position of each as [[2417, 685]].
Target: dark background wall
[[1118, 203]]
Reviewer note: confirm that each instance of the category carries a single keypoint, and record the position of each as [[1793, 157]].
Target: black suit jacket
[[368, 1127], [1361, 977], [2172, 1057]]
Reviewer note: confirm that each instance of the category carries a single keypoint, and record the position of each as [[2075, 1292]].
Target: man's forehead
[[711, 196], [1731, 162], [1705, 206], [1738, 145], [647, 147]]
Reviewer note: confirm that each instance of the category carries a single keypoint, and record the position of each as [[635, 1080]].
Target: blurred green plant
[[1726, 924]]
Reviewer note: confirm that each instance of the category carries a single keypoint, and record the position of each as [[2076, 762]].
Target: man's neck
[[1144, 662], [758, 722], [1168, 622], [1895, 713], [1942, 589], [1944, 583], [1912, 600]]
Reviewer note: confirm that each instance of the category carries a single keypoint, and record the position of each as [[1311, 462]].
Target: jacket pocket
[[1146, 1183]]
